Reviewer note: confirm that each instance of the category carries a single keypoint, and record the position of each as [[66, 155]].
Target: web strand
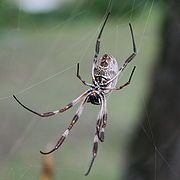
[[146, 25]]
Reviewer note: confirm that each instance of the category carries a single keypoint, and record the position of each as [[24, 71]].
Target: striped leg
[[66, 132], [97, 48], [104, 118], [47, 114], [99, 118], [96, 138], [94, 152]]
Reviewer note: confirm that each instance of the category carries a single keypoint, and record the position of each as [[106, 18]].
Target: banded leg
[[51, 113], [104, 118], [66, 132], [94, 152], [99, 120], [97, 47], [125, 84], [129, 59], [96, 138], [98, 126]]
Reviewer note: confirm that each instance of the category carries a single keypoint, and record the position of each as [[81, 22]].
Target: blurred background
[[40, 45]]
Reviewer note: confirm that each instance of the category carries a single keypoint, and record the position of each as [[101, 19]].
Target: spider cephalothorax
[[105, 74]]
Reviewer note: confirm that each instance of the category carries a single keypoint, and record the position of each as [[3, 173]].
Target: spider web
[[46, 80]]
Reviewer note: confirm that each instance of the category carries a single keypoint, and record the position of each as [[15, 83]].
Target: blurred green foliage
[[10, 13], [7, 13], [119, 7]]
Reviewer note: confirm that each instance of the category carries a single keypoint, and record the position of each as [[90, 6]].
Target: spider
[[105, 74]]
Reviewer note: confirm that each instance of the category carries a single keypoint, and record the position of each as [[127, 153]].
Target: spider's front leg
[[129, 59], [97, 47], [134, 47]]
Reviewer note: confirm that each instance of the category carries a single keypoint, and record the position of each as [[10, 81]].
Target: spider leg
[[104, 118], [98, 126], [66, 132], [51, 113], [98, 135], [129, 81], [97, 47], [134, 47], [129, 59], [99, 119], [94, 152], [125, 84], [79, 77]]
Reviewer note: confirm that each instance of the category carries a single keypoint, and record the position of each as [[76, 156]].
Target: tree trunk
[[155, 149]]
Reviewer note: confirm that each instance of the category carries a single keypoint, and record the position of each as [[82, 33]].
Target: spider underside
[[105, 74]]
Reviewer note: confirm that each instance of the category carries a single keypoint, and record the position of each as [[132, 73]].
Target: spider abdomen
[[105, 69]]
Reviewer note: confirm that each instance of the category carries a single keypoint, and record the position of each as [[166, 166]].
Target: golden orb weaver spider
[[105, 74]]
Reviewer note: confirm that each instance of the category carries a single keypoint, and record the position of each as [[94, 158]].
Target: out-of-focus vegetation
[[10, 12], [160, 121]]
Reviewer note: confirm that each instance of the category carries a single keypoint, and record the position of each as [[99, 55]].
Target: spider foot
[[49, 152], [89, 169], [46, 153]]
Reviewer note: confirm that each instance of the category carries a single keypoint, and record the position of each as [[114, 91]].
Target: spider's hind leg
[[94, 151], [66, 132], [102, 121], [97, 136]]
